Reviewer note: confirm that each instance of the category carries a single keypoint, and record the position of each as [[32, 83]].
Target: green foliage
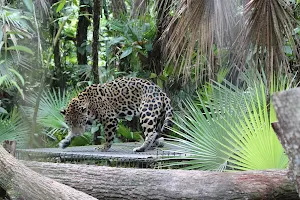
[[9, 78], [126, 135], [49, 116], [51, 121], [14, 24], [231, 128], [130, 40], [14, 127]]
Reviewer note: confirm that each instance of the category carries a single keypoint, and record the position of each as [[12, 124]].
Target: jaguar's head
[[76, 116]]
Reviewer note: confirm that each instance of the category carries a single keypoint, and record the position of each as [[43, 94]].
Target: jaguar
[[120, 99]]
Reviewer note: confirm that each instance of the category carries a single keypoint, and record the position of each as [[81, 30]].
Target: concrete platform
[[119, 154]]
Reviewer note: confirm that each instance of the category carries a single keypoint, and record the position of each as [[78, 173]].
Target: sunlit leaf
[[21, 48], [229, 127], [61, 5], [126, 53], [18, 75], [18, 88], [28, 4], [2, 110]]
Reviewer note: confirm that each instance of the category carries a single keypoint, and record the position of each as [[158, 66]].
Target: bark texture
[[96, 26], [163, 18], [139, 7], [82, 29], [21, 182], [287, 107], [128, 183], [118, 8]]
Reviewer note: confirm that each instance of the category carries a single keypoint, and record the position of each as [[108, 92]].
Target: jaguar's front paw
[[138, 149], [64, 143], [102, 149]]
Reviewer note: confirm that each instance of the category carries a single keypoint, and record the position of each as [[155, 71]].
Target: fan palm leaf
[[230, 129], [49, 115], [13, 127]]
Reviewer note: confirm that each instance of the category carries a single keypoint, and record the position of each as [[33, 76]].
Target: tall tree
[[82, 30], [96, 25], [57, 80], [155, 58]]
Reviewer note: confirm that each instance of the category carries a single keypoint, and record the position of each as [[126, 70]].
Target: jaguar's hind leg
[[159, 142], [149, 127]]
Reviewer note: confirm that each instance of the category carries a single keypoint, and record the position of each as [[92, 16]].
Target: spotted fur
[[123, 97]]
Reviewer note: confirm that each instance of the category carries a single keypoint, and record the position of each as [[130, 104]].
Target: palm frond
[[16, 23], [49, 115], [256, 146], [9, 77], [230, 129], [197, 29], [268, 26], [43, 5], [14, 127]]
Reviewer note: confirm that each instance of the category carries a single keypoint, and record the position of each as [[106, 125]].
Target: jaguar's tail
[[168, 116]]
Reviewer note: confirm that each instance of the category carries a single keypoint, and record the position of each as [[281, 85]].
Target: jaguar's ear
[[63, 111]]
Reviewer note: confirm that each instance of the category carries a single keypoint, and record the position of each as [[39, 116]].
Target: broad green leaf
[[18, 88], [94, 129], [116, 40], [126, 53], [288, 50], [148, 46], [61, 5], [163, 77], [153, 75], [138, 47], [21, 48], [29, 5], [75, 2], [18, 75], [2, 110]]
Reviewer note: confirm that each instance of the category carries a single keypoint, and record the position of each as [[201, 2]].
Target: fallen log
[[287, 107], [23, 183], [128, 183]]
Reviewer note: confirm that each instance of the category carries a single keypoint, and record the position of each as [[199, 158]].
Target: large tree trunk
[[82, 29], [57, 80], [162, 21], [287, 107], [23, 183], [128, 183], [96, 24]]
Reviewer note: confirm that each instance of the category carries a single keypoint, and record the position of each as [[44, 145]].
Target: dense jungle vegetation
[[219, 62]]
